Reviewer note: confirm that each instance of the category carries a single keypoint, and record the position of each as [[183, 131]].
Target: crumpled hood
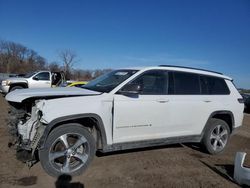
[[21, 94]]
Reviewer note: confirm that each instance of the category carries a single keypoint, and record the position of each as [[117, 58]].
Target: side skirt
[[150, 143]]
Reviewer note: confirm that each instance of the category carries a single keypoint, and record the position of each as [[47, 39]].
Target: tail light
[[240, 100]]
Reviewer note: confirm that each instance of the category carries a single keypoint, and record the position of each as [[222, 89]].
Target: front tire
[[69, 149], [216, 136]]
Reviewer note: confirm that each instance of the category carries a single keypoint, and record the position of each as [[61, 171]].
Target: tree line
[[19, 59]]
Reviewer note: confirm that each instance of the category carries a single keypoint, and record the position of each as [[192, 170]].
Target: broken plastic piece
[[241, 173]]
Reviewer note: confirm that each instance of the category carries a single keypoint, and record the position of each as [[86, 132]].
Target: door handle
[[207, 101], [162, 100]]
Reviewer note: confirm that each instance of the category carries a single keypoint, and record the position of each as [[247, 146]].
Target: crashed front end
[[26, 127], [27, 114]]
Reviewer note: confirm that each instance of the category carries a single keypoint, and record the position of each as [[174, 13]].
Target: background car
[[246, 98], [40, 79], [77, 84]]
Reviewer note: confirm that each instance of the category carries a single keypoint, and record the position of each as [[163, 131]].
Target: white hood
[[21, 94], [14, 80]]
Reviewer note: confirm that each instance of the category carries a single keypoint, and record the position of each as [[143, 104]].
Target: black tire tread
[[209, 127], [54, 134]]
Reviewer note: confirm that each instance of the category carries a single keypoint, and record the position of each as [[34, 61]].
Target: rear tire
[[216, 136], [69, 149]]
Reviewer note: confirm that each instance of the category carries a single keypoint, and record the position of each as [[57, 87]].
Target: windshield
[[28, 75], [109, 81]]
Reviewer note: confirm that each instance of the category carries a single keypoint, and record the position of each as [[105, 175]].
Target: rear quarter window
[[213, 86]]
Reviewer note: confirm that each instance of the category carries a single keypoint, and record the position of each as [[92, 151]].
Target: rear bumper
[[241, 173]]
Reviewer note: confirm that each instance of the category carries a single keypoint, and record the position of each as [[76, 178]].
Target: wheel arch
[[82, 119], [24, 85], [224, 115]]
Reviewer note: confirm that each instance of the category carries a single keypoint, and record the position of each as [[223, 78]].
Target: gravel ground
[[169, 166]]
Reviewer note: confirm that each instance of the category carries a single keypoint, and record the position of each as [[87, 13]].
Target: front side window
[[43, 76], [109, 81], [182, 83], [152, 82]]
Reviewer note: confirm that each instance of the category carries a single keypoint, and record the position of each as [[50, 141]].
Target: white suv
[[124, 109]]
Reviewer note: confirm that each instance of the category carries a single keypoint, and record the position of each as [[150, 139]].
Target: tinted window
[[153, 82], [108, 81], [182, 83], [43, 76], [213, 86]]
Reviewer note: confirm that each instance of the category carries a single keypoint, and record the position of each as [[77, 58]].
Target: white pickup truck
[[40, 79]]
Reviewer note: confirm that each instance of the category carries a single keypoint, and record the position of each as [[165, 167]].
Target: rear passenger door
[[190, 108], [216, 93]]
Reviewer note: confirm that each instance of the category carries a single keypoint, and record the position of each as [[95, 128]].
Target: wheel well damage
[[93, 123]]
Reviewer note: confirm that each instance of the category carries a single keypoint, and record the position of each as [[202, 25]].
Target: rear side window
[[181, 83], [213, 86]]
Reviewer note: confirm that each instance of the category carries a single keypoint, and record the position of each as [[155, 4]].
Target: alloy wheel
[[69, 152], [219, 137]]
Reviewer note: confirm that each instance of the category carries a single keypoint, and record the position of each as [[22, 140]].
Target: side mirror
[[35, 78], [130, 89]]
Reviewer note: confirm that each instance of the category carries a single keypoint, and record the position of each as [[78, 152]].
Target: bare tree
[[16, 58], [83, 75], [68, 58], [54, 67]]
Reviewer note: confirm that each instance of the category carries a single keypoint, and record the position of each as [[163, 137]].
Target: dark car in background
[[246, 98]]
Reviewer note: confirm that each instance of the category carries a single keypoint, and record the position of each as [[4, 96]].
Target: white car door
[[142, 116], [190, 108], [40, 80], [183, 111]]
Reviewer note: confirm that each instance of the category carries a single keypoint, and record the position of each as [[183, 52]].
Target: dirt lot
[[170, 166]]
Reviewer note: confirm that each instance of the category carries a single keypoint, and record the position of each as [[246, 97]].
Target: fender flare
[[18, 84], [53, 123], [215, 113]]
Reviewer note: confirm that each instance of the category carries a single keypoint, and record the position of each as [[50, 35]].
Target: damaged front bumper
[[26, 130]]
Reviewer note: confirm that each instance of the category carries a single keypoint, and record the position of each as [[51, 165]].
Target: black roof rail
[[176, 66]]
